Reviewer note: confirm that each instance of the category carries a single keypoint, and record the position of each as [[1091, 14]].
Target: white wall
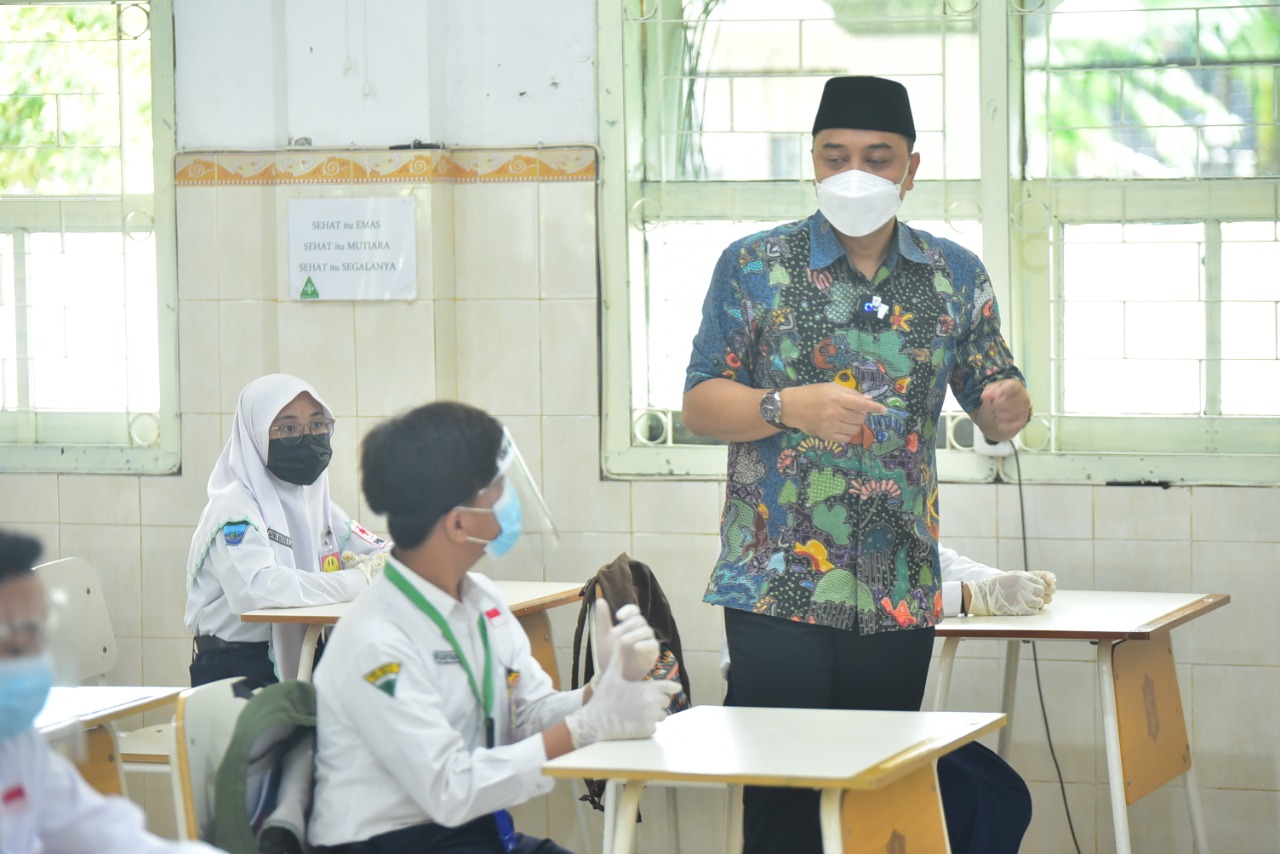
[[256, 75]]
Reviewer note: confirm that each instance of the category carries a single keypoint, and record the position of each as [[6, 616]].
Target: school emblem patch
[[233, 532], [384, 677]]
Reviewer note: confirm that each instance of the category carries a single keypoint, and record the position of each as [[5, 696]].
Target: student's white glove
[[620, 708], [1050, 582], [631, 639], [1009, 594], [371, 565]]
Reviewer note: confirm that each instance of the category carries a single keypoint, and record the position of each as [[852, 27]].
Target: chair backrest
[[95, 641], [204, 720]]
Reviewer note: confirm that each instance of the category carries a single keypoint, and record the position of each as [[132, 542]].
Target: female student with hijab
[[433, 717], [270, 536], [45, 805]]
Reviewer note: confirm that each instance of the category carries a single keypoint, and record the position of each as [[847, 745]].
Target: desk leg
[[537, 626], [1008, 696], [1111, 737], [1197, 814], [623, 836], [309, 652], [945, 661], [829, 810]]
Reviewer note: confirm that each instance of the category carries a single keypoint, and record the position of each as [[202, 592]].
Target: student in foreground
[[433, 717], [45, 805]]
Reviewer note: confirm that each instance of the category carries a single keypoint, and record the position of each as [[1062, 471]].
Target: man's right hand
[[1009, 594], [619, 708], [829, 411]]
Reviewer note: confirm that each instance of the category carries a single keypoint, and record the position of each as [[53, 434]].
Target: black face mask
[[302, 463]]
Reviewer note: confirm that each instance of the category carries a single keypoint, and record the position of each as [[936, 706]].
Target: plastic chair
[[145, 749], [203, 724]]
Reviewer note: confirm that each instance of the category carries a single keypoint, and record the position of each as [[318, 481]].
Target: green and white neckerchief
[[485, 698]]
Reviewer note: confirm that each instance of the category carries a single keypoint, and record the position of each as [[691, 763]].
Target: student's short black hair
[[418, 466], [18, 554]]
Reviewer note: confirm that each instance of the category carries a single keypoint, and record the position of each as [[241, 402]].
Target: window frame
[[100, 442], [1026, 312]]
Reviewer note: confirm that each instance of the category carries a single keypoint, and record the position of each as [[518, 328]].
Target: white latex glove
[[631, 639], [1050, 582], [371, 565], [1009, 594], [619, 708]]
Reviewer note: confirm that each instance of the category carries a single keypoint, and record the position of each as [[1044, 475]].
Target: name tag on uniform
[[276, 536], [445, 656]]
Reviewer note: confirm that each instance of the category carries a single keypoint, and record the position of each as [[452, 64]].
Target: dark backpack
[[626, 581]]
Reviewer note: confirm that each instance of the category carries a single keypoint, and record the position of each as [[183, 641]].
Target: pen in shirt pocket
[[513, 680]]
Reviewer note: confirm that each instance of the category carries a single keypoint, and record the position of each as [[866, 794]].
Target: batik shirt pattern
[[831, 533]]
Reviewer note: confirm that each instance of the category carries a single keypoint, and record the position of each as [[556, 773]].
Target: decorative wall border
[[345, 166]]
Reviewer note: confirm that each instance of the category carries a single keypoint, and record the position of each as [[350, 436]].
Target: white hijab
[[241, 488]]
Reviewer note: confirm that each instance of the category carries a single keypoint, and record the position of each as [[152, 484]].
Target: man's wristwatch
[[771, 409]]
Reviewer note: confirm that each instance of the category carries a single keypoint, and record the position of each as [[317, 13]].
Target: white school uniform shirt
[[261, 542], [46, 807], [400, 737]]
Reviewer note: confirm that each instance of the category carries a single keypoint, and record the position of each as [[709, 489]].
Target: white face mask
[[857, 202]]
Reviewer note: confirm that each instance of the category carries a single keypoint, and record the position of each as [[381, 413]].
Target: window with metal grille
[[1115, 164], [88, 364]]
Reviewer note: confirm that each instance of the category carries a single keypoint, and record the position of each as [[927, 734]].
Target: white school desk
[[528, 601], [875, 770], [1142, 721], [94, 708]]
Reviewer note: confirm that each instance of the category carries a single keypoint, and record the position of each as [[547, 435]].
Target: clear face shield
[[528, 537], [37, 652]]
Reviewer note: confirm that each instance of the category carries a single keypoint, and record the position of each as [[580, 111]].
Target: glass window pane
[[1250, 271], [1131, 387], [1251, 388], [1249, 330], [1154, 330], [1131, 271], [1093, 330]]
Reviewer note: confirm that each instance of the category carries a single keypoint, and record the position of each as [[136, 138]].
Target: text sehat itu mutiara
[[865, 103]]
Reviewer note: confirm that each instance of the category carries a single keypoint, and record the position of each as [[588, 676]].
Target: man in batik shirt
[[824, 356]]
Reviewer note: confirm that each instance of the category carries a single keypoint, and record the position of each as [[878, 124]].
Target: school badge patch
[[384, 677], [233, 532]]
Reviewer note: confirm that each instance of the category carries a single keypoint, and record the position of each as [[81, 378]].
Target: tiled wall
[[506, 318]]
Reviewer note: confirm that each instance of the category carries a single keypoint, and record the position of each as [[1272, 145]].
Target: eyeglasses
[[291, 432]]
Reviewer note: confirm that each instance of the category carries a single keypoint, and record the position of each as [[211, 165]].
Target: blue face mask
[[24, 686], [507, 511]]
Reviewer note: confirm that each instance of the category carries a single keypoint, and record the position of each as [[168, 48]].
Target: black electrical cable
[[1044, 714]]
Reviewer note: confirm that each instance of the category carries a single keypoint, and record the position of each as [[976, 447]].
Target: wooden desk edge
[[876, 777], [255, 617], [546, 603], [1204, 604], [105, 716]]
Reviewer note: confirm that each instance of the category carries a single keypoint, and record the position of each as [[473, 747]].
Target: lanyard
[[486, 699]]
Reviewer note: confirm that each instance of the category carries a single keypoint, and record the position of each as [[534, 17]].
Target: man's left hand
[[1006, 409]]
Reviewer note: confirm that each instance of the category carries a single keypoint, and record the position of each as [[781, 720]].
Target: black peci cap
[[865, 103]]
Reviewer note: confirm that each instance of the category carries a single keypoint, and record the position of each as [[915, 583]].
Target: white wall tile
[[676, 507], [115, 552], [28, 497], [495, 241], [179, 499], [967, 510], [318, 344], [1071, 698], [395, 356], [567, 239], [570, 364], [199, 357], [498, 356], [48, 535], [1050, 831], [1244, 631], [446, 352], [1227, 514], [682, 564], [101, 499], [1241, 821], [246, 258], [344, 484], [1148, 565], [164, 580], [1052, 511], [249, 344], [983, 550], [1070, 560], [165, 661], [197, 212], [442, 271], [571, 479], [1233, 732], [128, 670], [1142, 513]]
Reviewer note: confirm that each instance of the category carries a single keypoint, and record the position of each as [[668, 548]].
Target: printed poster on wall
[[352, 249]]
